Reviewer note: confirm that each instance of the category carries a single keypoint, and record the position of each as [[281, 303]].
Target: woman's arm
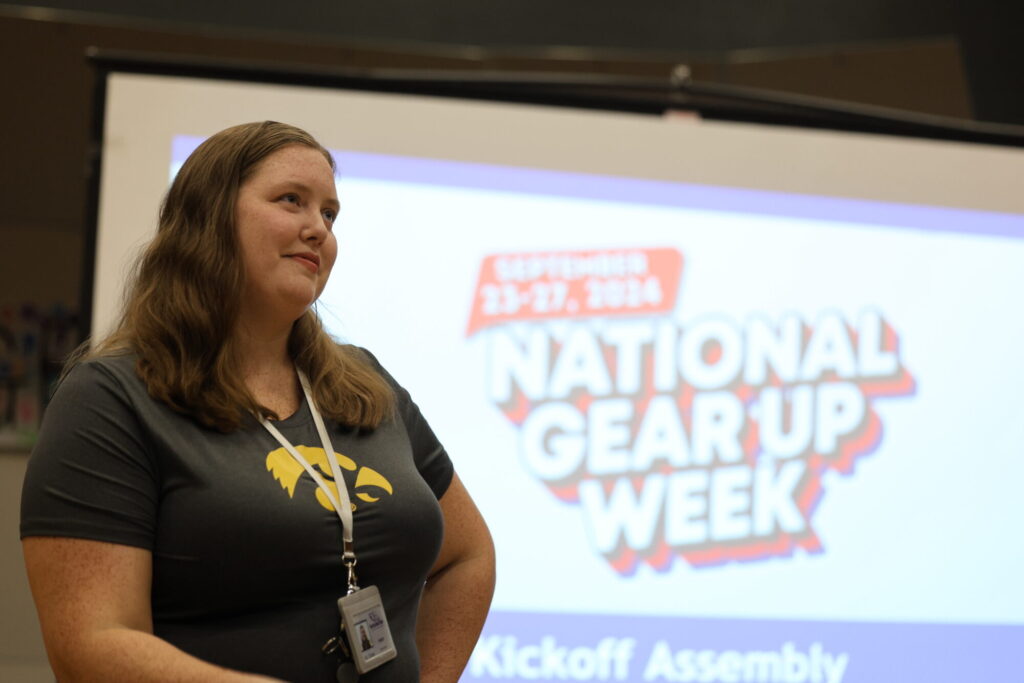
[[93, 600], [458, 591]]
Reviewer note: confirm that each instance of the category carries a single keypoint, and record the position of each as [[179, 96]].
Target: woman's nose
[[315, 228]]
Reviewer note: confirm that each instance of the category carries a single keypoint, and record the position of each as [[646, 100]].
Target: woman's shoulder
[[98, 377], [355, 351], [359, 353], [119, 365], [366, 358]]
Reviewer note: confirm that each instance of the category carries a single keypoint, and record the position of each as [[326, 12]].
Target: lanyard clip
[[348, 558]]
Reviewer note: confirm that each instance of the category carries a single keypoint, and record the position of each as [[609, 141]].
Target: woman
[[169, 534]]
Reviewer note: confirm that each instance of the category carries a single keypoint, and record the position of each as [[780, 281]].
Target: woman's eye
[[330, 215], [290, 198]]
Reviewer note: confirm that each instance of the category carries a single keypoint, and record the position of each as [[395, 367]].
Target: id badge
[[366, 627]]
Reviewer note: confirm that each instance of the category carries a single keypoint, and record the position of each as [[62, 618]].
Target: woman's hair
[[183, 300]]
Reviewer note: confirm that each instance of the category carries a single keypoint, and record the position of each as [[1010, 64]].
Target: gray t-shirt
[[246, 557]]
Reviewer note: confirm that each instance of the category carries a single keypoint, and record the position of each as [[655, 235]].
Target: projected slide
[[718, 434]]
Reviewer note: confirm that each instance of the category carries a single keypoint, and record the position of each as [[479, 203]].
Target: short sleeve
[[92, 474], [432, 460]]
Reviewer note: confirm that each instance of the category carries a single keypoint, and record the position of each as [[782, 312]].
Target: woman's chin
[[287, 307]]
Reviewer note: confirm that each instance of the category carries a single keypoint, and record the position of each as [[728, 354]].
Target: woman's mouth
[[309, 260]]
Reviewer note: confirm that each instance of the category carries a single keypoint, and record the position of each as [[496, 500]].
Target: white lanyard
[[342, 504]]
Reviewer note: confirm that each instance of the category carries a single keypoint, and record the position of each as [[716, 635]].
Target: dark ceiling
[[987, 32]]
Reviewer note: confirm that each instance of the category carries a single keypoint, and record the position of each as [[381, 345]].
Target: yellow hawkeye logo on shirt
[[286, 470]]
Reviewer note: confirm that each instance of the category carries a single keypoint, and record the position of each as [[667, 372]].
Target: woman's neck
[[267, 369]]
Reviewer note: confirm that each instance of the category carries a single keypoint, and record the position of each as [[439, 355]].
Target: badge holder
[[365, 624]]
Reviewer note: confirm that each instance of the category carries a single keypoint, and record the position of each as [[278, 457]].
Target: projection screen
[[736, 401]]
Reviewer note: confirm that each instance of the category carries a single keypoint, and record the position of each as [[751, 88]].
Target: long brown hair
[[183, 300]]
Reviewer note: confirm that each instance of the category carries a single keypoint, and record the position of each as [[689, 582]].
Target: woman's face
[[284, 216]]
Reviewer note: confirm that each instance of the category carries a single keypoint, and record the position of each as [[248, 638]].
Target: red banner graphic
[[575, 284]]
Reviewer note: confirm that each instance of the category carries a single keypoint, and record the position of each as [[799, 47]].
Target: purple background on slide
[[658, 193]]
